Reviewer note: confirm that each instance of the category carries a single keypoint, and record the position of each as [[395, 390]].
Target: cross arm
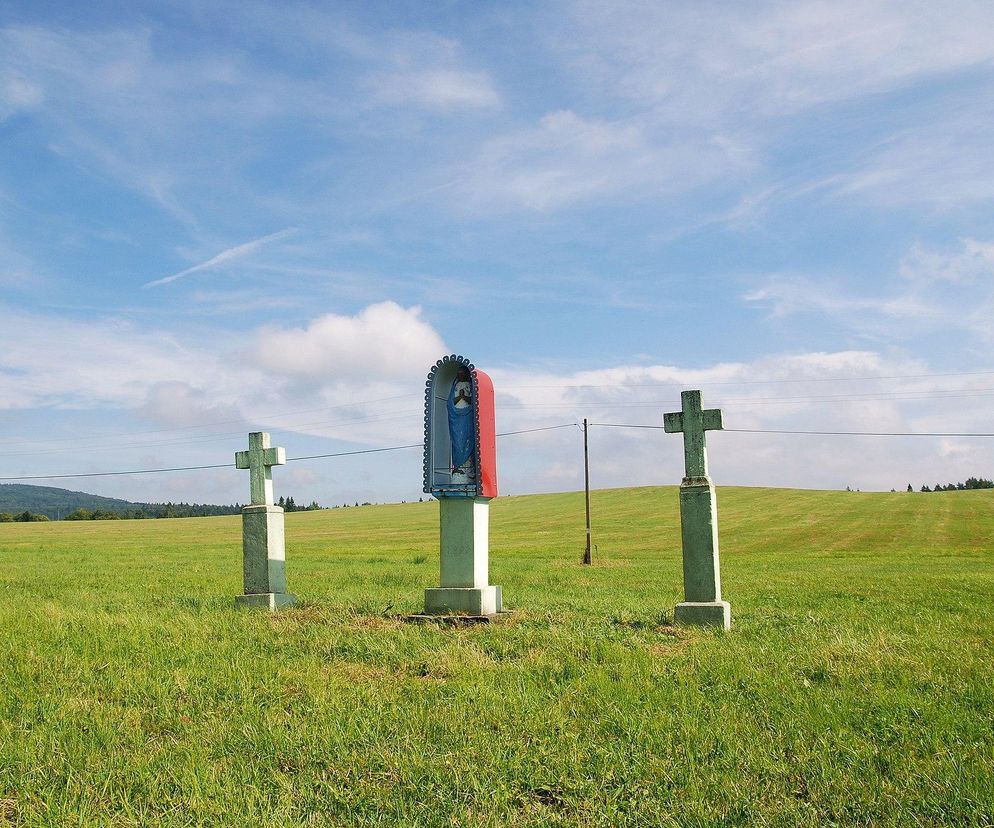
[[274, 456], [241, 460], [673, 422], [712, 419]]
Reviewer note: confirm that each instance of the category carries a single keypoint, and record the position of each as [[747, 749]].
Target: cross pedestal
[[702, 604], [263, 544], [464, 532]]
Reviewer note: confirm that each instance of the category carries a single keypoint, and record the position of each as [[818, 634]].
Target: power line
[[289, 459], [872, 396], [351, 453], [543, 428], [906, 395], [705, 383], [865, 433], [822, 433], [508, 434], [206, 438], [117, 473], [624, 425]]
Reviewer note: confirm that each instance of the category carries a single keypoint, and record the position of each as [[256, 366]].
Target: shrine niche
[[460, 457]]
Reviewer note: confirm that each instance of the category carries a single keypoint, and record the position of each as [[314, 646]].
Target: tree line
[[152, 511], [288, 505], [22, 517], [969, 483]]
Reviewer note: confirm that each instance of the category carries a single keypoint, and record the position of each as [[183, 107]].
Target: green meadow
[[855, 688]]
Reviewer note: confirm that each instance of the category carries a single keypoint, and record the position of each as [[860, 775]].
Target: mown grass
[[856, 687]]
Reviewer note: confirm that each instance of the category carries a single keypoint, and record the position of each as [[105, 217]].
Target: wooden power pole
[[586, 490]]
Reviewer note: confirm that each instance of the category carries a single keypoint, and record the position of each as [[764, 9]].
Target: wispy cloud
[[951, 289], [568, 159], [225, 257], [712, 88], [777, 57], [437, 88]]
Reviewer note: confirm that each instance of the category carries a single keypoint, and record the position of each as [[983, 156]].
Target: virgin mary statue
[[461, 428]]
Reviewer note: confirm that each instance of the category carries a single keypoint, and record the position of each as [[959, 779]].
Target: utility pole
[[586, 490]]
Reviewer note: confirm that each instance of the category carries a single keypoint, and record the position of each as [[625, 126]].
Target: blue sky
[[224, 217]]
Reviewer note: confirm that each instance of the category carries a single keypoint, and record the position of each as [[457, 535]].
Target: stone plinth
[[702, 604], [263, 558], [469, 600], [464, 533]]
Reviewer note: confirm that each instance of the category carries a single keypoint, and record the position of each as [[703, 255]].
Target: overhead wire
[[823, 433], [289, 459], [705, 383]]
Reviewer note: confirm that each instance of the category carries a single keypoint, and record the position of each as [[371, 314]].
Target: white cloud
[[63, 363], [383, 341], [829, 391], [178, 404], [363, 382]]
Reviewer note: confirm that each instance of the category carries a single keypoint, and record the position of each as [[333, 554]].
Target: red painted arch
[[488, 435]]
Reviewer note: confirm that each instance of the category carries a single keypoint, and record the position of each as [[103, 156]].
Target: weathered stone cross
[[259, 460], [693, 421], [702, 602], [263, 544]]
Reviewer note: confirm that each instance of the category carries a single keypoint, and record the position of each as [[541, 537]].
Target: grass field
[[855, 688]]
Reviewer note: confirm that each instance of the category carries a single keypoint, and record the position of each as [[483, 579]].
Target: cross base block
[[470, 600], [265, 600], [703, 614]]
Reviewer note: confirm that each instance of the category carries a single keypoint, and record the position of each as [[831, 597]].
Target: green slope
[[54, 502], [854, 689]]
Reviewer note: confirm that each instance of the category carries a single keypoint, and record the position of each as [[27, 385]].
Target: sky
[[224, 217]]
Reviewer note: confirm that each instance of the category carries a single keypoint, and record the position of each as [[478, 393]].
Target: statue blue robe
[[461, 431]]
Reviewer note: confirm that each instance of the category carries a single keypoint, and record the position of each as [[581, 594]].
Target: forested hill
[[58, 504]]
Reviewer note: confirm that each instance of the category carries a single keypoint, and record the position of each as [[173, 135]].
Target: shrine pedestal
[[464, 533]]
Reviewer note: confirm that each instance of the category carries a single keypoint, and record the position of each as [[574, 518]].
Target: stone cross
[[263, 543], [693, 421], [702, 602], [259, 460]]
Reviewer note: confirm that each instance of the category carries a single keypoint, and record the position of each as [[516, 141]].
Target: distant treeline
[[289, 506], [176, 510], [142, 511], [971, 483], [150, 511], [22, 517]]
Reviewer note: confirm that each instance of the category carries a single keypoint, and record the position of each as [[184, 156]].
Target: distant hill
[[16, 498]]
